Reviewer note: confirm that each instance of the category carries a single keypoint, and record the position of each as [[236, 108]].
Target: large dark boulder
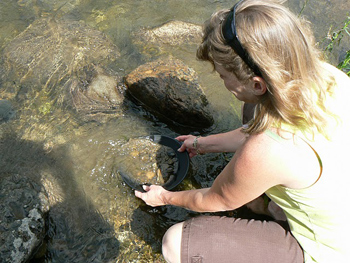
[[170, 90]]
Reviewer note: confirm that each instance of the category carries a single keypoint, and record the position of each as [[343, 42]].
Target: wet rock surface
[[170, 90], [144, 161], [23, 206]]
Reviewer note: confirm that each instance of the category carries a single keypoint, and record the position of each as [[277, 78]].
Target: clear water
[[94, 217]]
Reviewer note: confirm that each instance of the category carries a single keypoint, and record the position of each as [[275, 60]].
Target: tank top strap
[[274, 136]]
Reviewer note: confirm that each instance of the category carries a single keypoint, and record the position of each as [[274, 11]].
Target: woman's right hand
[[188, 144]]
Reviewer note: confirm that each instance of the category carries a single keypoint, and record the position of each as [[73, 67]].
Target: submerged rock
[[23, 206], [61, 62], [95, 93], [169, 89], [172, 33], [153, 42]]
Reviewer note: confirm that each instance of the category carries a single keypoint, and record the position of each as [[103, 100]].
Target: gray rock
[[170, 90], [23, 206]]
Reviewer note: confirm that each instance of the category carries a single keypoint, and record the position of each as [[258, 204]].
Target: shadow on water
[[76, 232]]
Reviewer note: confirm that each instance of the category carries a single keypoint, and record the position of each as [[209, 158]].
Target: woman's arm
[[261, 163], [222, 142], [249, 174]]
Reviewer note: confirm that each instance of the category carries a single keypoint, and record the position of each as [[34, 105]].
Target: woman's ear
[[259, 86]]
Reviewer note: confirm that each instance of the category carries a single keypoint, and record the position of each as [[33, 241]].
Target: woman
[[292, 150]]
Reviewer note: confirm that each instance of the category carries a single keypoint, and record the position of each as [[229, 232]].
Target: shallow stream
[[94, 217]]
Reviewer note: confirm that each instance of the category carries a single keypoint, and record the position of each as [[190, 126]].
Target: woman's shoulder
[[334, 70], [270, 139], [339, 100], [283, 155], [341, 79], [268, 145]]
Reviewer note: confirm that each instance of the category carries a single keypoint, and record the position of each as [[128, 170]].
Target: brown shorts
[[223, 239]]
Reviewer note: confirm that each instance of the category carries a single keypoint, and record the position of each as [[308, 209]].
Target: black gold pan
[[182, 158]]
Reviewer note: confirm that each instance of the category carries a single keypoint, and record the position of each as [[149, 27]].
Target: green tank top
[[318, 215]]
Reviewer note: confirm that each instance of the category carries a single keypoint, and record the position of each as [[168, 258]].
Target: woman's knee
[[171, 247]]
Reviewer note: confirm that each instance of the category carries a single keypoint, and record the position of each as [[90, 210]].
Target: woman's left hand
[[154, 195]]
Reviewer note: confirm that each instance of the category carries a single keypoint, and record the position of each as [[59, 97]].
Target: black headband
[[230, 35]]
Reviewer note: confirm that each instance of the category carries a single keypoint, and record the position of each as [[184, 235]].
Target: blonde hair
[[283, 47]]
